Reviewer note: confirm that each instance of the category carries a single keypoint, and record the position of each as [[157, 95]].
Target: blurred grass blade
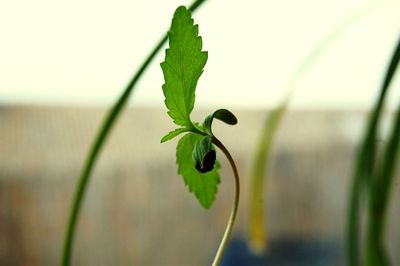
[[379, 197], [365, 164], [257, 223], [379, 189], [98, 144], [257, 231]]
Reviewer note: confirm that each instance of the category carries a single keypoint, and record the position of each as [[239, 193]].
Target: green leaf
[[183, 66], [175, 133], [204, 186], [221, 114]]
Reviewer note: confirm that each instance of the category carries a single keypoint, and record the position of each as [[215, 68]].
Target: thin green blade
[[258, 235], [380, 181]]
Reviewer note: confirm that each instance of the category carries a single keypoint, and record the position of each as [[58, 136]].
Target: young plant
[[98, 144], [195, 152]]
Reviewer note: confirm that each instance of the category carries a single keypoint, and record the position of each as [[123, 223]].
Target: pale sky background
[[84, 52]]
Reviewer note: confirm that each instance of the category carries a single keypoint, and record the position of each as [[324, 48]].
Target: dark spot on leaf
[[207, 163]]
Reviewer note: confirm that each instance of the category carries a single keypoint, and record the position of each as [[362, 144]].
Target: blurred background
[[63, 64]]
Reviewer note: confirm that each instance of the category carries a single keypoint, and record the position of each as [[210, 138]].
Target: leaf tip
[[206, 205]]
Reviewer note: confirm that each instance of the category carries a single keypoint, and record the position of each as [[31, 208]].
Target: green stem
[[232, 217], [99, 142]]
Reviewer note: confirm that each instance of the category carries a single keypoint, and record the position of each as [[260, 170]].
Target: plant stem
[[99, 142], [232, 217]]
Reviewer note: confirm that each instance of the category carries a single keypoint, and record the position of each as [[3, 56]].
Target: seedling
[[99, 142], [195, 152]]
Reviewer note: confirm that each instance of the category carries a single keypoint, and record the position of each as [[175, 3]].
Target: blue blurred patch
[[285, 252]]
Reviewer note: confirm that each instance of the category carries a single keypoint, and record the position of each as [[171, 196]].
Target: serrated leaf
[[174, 133], [204, 186], [221, 114], [183, 66]]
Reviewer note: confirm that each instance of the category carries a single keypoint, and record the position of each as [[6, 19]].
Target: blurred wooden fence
[[138, 212]]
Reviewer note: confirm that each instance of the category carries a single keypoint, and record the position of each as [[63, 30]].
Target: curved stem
[[98, 144], [232, 217]]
